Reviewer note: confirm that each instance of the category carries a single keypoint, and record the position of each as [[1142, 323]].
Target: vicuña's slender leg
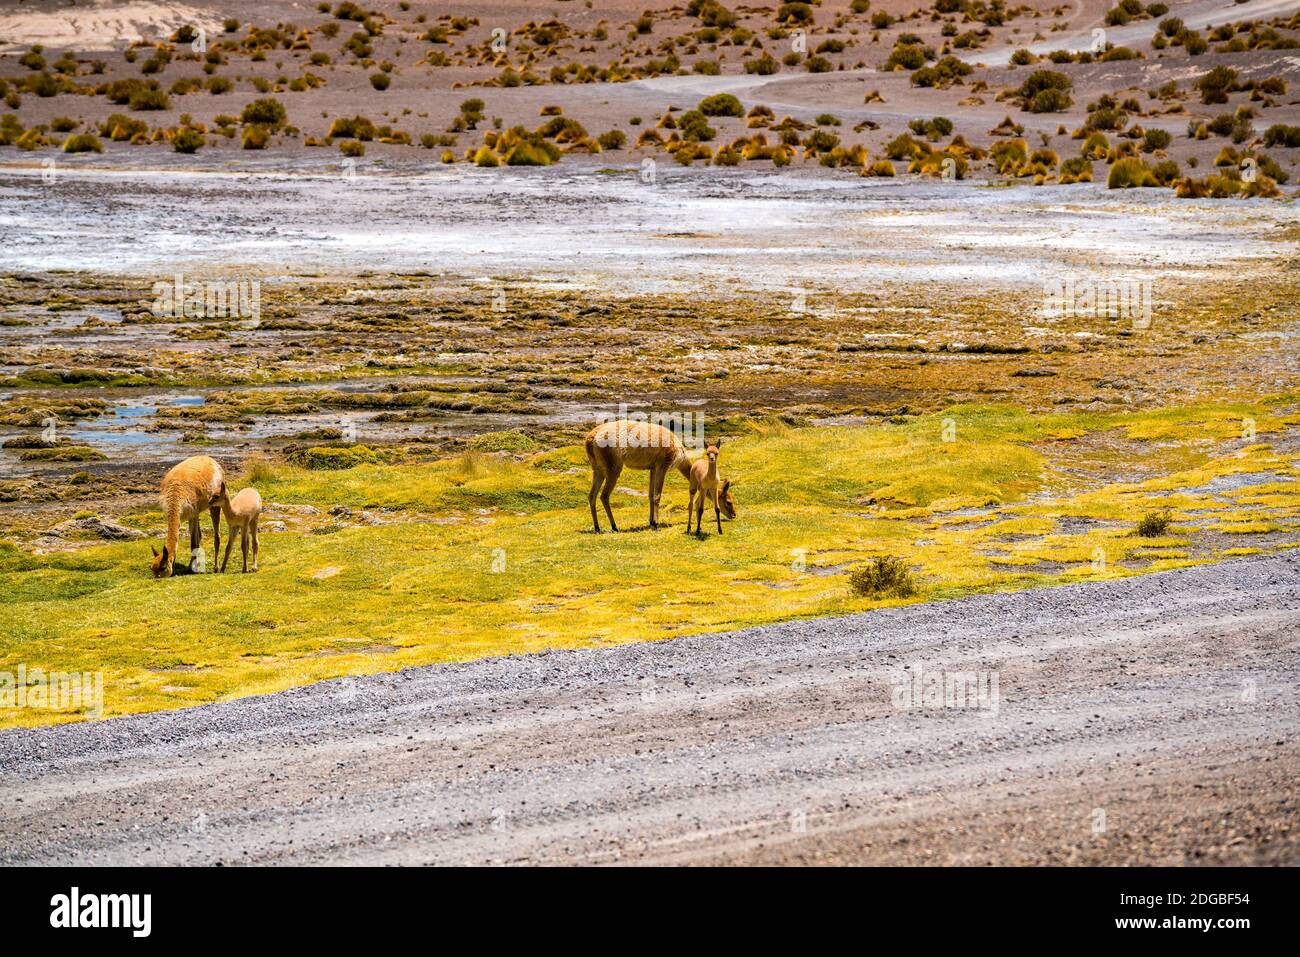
[[256, 544], [243, 545], [611, 479], [690, 507], [230, 540], [596, 479], [716, 513], [657, 475], [215, 512]]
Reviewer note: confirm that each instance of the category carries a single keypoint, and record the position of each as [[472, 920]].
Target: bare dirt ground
[[592, 62], [1143, 721]]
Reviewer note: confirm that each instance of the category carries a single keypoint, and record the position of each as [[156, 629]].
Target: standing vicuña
[[706, 483], [634, 445], [242, 513], [187, 491]]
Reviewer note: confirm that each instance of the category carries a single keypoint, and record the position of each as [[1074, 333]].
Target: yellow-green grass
[[491, 554]]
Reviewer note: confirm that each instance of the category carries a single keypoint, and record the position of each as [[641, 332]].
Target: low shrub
[[1153, 524], [1077, 169], [1155, 139], [82, 143], [1280, 134], [1129, 173], [883, 577], [188, 140], [149, 98], [721, 104], [255, 138], [268, 112], [612, 140]]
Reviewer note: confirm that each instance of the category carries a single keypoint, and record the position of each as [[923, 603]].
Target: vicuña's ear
[[154, 550], [718, 442]]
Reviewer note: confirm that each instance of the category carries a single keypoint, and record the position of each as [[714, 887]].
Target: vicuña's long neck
[[173, 528], [712, 474]]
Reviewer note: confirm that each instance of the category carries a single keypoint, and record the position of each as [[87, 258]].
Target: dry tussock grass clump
[[883, 577]]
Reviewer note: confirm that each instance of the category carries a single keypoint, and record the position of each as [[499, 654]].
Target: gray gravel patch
[[691, 748]]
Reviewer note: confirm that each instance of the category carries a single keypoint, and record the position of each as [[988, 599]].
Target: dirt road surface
[[1150, 720]]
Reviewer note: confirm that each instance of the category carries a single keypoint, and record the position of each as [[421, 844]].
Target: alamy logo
[[687, 426], [53, 690], [1096, 299], [190, 299], [134, 911], [933, 689]]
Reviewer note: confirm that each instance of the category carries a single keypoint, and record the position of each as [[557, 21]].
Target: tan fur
[[242, 513], [638, 445], [706, 483], [188, 490]]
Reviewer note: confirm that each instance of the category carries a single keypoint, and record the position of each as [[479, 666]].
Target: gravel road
[[1147, 720]]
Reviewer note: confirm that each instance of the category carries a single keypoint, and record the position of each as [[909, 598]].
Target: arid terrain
[[994, 305], [1045, 92]]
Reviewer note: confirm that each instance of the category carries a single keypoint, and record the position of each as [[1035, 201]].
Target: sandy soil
[[424, 98], [1140, 721], [99, 25]]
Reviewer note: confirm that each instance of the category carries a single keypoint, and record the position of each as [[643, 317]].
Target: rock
[[273, 527], [340, 511], [104, 528], [292, 509], [27, 442]]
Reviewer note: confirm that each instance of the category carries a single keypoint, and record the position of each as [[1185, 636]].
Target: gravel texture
[[1146, 720]]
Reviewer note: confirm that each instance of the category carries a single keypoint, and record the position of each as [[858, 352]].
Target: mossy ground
[[490, 554]]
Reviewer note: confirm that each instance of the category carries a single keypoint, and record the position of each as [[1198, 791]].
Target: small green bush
[[612, 140], [188, 141], [267, 112], [1155, 139], [1153, 524], [721, 104], [255, 138], [1049, 101], [336, 457], [794, 13], [1129, 173], [1280, 134], [82, 143], [149, 99], [883, 577]]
